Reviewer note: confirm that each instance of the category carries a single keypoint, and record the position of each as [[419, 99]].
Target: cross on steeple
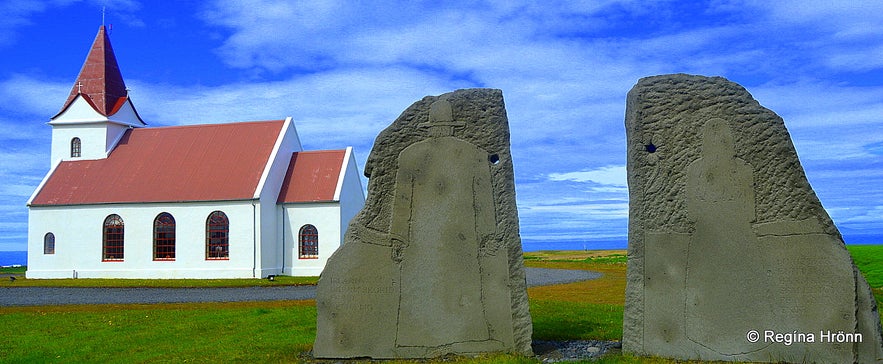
[[79, 87]]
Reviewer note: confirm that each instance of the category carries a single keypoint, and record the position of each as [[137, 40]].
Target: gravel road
[[40, 296]]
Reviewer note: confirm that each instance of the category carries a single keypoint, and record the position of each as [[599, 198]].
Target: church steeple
[[97, 111], [100, 81]]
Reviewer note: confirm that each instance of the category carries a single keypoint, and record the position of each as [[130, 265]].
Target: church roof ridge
[[219, 124]]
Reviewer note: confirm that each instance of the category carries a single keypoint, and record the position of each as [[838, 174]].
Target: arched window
[[308, 242], [217, 236], [114, 234], [49, 243], [164, 237], [76, 148]]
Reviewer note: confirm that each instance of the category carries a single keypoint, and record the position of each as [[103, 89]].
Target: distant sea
[[530, 245], [13, 258]]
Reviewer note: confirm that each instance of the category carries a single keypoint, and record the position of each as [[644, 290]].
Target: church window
[[164, 237], [217, 236], [114, 235], [76, 148], [308, 242], [49, 243]]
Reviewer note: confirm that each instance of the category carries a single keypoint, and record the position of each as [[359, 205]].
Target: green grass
[[562, 320], [265, 332], [610, 259], [283, 331], [869, 260]]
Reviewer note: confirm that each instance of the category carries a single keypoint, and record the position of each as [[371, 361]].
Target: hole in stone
[[650, 148], [494, 158]]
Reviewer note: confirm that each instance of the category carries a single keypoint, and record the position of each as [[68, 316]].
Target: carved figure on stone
[[728, 244], [442, 215], [432, 265], [720, 192]]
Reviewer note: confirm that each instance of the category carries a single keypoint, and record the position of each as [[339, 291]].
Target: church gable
[[185, 163], [82, 109]]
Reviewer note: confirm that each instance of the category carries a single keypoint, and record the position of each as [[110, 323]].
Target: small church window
[[49, 243], [113, 240], [217, 236], [308, 242], [76, 148], [164, 237]]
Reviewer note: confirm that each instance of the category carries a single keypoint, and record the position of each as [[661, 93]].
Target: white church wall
[[92, 141], [98, 134], [352, 195], [270, 254], [114, 134], [325, 216], [78, 241]]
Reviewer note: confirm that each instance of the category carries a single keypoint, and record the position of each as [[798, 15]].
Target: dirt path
[[46, 296]]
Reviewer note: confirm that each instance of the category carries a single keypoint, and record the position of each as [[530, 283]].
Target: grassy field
[[283, 331], [869, 259]]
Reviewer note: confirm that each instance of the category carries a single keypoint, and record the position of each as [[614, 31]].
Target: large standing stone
[[432, 265], [727, 238]]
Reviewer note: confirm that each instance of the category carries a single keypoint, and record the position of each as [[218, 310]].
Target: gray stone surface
[[726, 236], [432, 264]]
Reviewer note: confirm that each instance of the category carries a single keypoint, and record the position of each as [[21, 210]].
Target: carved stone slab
[[727, 239], [432, 265]]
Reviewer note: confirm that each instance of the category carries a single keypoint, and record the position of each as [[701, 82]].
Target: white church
[[234, 200]]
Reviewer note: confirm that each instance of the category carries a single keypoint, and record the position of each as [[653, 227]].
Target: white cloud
[[330, 110], [17, 190], [838, 14], [345, 70], [17, 13], [594, 210], [865, 218], [862, 59], [32, 96], [17, 242], [608, 175], [827, 121]]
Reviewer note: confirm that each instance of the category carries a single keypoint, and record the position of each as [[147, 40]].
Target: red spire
[[100, 80]]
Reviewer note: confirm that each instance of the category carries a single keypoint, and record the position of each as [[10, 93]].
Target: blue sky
[[345, 70]]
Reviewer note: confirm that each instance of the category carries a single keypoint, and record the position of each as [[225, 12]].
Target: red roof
[[100, 80], [312, 176], [184, 163]]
